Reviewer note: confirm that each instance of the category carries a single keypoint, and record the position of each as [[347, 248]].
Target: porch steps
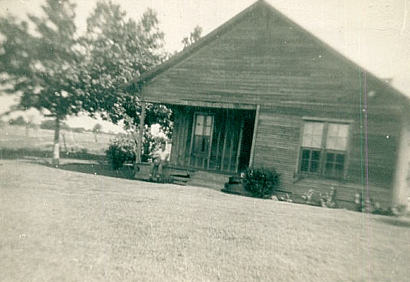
[[208, 179], [180, 179]]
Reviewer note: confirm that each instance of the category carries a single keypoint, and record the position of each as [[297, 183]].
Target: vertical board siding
[[226, 136]]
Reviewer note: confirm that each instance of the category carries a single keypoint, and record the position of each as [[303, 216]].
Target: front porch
[[209, 144], [212, 139]]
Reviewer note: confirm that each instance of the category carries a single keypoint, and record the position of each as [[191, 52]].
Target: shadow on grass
[[78, 162], [401, 222], [126, 172], [12, 154]]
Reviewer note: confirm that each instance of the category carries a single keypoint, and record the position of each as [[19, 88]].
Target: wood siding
[[263, 60], [266, 60], [370, 161]]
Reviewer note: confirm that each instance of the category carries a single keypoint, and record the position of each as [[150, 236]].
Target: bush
[[121, 149], [261, 182]]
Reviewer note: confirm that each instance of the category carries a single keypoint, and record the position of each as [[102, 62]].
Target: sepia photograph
[[204, 140]]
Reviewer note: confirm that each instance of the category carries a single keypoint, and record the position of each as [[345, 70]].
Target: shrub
[[121, 149], [261, 182]]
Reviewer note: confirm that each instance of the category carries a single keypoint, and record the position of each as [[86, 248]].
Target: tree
[[96, 130], [193, 37], [42, 63], [118, 51]]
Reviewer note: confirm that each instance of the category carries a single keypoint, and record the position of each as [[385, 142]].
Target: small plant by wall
[[368, 205], [121, 150], [261, 182], [316, 198]]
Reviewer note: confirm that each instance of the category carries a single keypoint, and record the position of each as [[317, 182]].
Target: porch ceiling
[[204, 103]]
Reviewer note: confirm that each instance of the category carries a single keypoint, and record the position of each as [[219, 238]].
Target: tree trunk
[[140, 133], [56, 148], [65, 144], [138, 157]]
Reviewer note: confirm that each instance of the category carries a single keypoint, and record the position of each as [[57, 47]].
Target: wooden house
[[261, 91]]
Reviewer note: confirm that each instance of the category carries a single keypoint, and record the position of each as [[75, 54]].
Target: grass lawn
[[62, 225]]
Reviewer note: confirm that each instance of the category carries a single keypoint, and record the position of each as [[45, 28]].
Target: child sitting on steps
[[160, 159]]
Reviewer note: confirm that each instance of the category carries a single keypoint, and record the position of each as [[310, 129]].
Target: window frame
[[323, 150], [194, 135]]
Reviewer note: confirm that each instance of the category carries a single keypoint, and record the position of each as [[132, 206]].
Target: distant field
[[16, 138]]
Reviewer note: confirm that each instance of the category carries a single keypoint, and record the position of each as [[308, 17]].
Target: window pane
[[209, 120], [340, 159], [334, 166], [207, 131], [306, 154], [314, 166], [337, 136], [343, 130], [336, 143], [330, 157], [315, 155], [199, 125], [310, 161], [305, 165], [200, 120], [305, 160], [312, 134]]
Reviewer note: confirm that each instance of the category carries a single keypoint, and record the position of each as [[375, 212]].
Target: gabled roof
[[215, 34]]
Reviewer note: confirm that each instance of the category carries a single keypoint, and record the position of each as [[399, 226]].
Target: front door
[[202, 140]]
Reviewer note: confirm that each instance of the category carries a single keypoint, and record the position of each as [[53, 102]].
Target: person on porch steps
[[160, 159]]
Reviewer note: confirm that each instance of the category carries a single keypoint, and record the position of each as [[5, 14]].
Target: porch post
[[255, 129], [399, 191], [138, 158], [238, 154]]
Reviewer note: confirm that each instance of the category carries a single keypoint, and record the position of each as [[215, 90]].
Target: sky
[[373, 33]]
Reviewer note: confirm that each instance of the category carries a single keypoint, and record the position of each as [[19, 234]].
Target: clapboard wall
[[371, 156], [262, 58]]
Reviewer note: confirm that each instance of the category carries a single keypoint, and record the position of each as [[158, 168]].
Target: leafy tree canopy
[[119, 50], [40, 60], [61, 74], [193, 37]]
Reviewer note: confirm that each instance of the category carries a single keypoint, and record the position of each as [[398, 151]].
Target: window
[[323, 149], [203, 129]]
